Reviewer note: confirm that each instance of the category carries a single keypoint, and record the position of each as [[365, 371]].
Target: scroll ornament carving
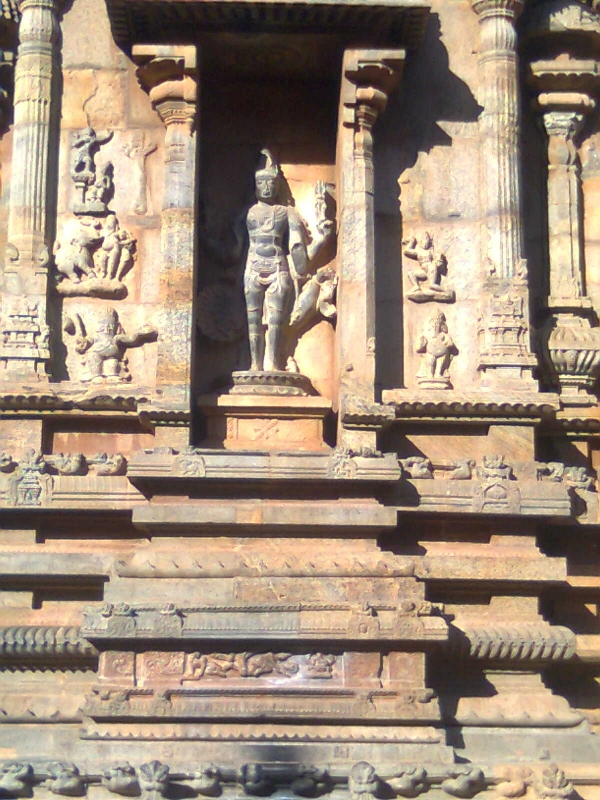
[[417, 467], [437, 350], [426, 279], [154, 779], [103, 352], [93, 257]]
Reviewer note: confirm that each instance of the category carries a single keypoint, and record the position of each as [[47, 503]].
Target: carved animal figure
[[73, 258]]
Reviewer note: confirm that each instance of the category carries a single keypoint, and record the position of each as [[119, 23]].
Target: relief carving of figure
[[426, 278], [93, 191], [278, 258], [437, 349], [92, 258], [103, 352]]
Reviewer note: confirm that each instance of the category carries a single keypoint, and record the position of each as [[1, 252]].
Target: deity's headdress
[[271, 167]]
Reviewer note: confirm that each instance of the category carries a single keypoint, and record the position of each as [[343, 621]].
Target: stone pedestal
[[267, 422]]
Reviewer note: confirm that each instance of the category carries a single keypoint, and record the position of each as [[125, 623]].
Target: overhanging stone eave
[[361, 22]]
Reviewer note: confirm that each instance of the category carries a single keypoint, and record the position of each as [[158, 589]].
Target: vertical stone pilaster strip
[[500, 128], [506, 359], [367, 79], [168, 74], [35, 135]]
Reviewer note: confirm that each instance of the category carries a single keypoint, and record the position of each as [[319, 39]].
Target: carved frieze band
[[44, 642], [154, 780]]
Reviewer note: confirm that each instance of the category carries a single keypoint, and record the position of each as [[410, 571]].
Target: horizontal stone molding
[[519, 641], [41, 641]]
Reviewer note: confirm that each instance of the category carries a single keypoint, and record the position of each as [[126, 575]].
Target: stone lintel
[[187, 515]]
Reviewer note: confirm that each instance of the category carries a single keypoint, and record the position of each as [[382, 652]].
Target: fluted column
[[168, 74], [367, 79], [33, 169], [506, 360]]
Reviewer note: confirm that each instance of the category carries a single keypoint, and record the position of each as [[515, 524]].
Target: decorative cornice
[[465, 406], [44, 642]]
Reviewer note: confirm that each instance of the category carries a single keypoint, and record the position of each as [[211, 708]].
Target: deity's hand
[[326, 227]]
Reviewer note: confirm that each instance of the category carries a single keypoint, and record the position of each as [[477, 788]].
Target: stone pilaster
[[368, 78], [168, 74], [572, 343], [25, 346], [506, 360]]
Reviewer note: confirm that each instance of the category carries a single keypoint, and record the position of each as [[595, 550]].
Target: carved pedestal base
[[252, 422], [277, 382], [573, 352]]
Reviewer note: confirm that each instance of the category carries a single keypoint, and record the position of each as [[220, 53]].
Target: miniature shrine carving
[[103, 350], [426, 279], [437, 350]]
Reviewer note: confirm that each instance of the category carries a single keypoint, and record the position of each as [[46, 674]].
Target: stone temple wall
[[299, 361]]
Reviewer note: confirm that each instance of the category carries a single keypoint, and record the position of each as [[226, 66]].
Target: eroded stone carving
[[92, 258], [437, 349], [121, 779], [16, 779], [103, 352], [23, 335], [409, 781], [497, 491], [417, 467], [311, 782], [65, 779], [255, 781], [363, 782], [206, 780], [243, 665], [138, 149], [29, 484], [94, 188], [320, 665], [465, 781], [154, 779], [426, 279], [553, 784]]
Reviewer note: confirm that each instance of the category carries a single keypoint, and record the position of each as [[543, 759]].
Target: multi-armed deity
[[279, 287]]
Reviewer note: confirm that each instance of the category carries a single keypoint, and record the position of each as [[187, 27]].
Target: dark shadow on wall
[[429, 93]]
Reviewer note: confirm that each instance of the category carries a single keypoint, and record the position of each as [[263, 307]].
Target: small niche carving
[[437, 350]]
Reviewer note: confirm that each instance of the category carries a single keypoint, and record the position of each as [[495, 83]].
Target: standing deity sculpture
[[278, 260], [93, 190], [426, 278], [437, 349]]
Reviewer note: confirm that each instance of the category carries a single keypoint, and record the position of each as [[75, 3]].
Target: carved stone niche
[[269, 265]]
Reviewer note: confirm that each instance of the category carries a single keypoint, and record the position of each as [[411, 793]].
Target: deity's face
[[266, 187]]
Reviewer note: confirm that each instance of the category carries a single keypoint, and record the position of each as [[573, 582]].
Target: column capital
[[168, 74], [497, 8]]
